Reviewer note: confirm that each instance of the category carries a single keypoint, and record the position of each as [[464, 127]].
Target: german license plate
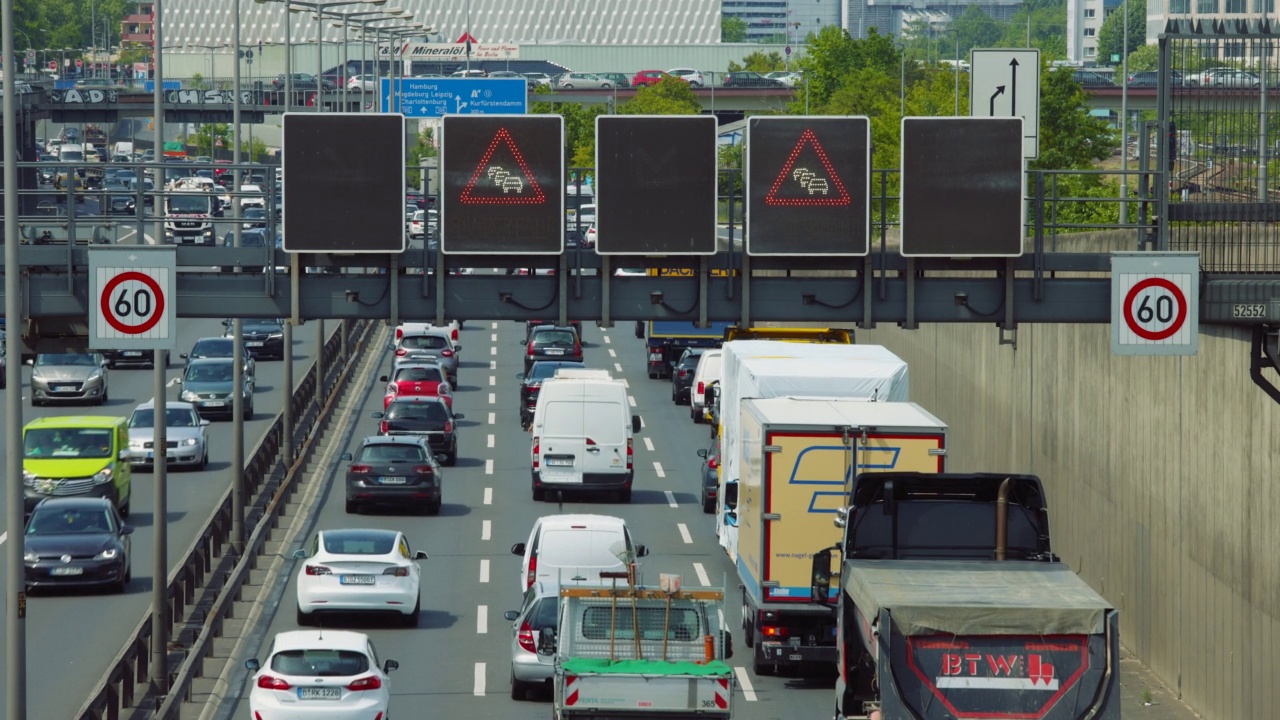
[[356, 580], [214, 403], [392, 480], [61, 388], [254, 343], [319, 693], [655, 356], [63, 571], [560, 462], [796, 656], [132, 353], [555, 351]]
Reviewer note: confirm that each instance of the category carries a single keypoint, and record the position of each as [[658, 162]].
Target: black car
[[710, 478], [256, 217], [119, 200], [131, 358], [531, 383], [263, 337], [552, 342], [395, 471], [255, 237], [302, 81], [529, 325], [76, 542], [682, 375], [750, 79], [424, 417]]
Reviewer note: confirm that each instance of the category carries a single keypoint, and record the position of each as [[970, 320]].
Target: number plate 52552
[[1249, 310]]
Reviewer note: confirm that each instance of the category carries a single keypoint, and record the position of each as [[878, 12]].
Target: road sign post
[[807, 186], [1006, 83], [1155, 303], [656, 184], [132, 298], [437, 97], [963, 187], [502, 185]]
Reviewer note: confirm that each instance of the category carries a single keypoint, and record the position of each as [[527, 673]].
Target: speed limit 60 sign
[[131, 298], [1155, 303]]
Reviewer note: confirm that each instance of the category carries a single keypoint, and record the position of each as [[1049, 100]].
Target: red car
[[649, 78], [417, 381]]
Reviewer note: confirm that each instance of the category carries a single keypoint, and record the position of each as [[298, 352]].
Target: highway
[[458, 661], [72, 636]]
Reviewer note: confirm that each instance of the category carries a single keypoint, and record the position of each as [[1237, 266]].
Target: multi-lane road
[[458, 661], [72, 637]]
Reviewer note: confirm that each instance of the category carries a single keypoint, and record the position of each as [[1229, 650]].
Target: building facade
[[897, 17], [136, 26], [783, 22], [1160, 12]]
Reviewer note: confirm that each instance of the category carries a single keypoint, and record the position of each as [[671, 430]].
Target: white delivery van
[[582, 435], [708, 372], [575, 549]]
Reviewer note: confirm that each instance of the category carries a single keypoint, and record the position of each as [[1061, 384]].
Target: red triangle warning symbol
[[808, 179], [467, 37], [503, 177]]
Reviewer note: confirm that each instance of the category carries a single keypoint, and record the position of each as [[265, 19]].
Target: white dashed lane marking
[[648, 444], [702, 574], [493, 399], [493, 326], [617, 367], [493, 350], [607, 340], [657, 467], [484, 570], [492, 418], [488, 496], [744, 682], [486, 531], [493, 337], [478, 691], [482, 620], [684, 534], [631, 400], [490, 440], [493, 380], [493, 364], [612, 353], [671, 498], [488, 470]]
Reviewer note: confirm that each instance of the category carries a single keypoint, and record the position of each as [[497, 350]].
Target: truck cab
[[188, 217]]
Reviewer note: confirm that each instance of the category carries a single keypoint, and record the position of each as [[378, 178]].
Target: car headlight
[[189, 396], [30, 557], [28, 478], [189, 442], [108, 554], [102, 477], [274, 336]]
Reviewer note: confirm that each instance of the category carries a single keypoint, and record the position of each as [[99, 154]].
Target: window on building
[[1090, 13], [1179, 7], [1235, 6], [1090, 51], [1207, 7], [1264, 6], [1090, 32], [1234, 49]]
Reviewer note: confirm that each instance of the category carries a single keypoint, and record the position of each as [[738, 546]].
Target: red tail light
[[455, 334], [267, 682], [361, 468], [366, 683], [396, 571], [774, 631], [577, 348], [631, 454], [401, 352], [399, 333], [383, 427], [713, 463], [684, 373], [590, 442], [443, 389], [536, 448], [530, 349], [448, 427], [533, 571], [446, 353], [701, 388], [525, 637], [423, 469], [318, 570]]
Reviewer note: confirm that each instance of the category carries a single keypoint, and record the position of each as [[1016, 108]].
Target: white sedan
[[312, 674], [359, 570]]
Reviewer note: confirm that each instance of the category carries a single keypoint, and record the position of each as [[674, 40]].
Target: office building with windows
[[783, 21], [899, 17]]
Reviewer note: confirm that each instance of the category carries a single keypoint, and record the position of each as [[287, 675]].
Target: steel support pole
[[1124, 117], [287, 445], [288, 61], [237, 325], [345, 70], [1264, 152], [16, 596], [319, 365], [160, 526], [319, 55]]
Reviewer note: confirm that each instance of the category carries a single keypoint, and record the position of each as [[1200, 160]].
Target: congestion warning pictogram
[[502, 176], [808, 179]]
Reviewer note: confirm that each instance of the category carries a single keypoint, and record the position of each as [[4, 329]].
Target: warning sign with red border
[[1155, 303], [132, 298], [807, 185], [502, 184]]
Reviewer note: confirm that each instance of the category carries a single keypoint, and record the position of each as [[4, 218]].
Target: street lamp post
[[1124, 116], [319, 8], [394, 13], [344, 22]]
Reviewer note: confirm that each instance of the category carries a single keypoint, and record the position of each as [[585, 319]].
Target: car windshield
[[320, 663], [383, 453], [189, 203], [261, 326], [359, 542], [424, 342], [62, 360], [70, 521], [554, 338], [418, 374], [210, 373], [544, 370], [67, 443], [173, 417], [212, 348], [417, 411]]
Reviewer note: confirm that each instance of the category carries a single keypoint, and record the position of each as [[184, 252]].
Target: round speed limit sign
[[132, 303], [132, 291], [1155, 309]]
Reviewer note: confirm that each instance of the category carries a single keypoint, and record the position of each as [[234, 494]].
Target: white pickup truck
[[642, 653]]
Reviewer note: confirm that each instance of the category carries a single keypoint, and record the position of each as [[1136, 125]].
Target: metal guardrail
[[267, 478]]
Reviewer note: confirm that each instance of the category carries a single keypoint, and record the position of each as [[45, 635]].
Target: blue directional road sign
[[435, 97]]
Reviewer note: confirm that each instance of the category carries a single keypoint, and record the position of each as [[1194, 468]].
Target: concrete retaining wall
[[1163, 477]]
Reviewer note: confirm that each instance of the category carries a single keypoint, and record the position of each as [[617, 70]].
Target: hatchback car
[[682, 375], [186, 436], [417, 380], [424, 417], [619, 80], [329, 673], [208, 385], [648, 78], [263, 337], [572, 80], [76, 542], [221, 347], [532, 658], [747, 79], [531, 383], [689, 75], [69, 377], [359, 570], [393, 471], [434, 346], [710, 476], [552, 342]]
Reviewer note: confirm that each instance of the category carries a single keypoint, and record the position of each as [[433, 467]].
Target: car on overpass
[[572, 80], [649, 78], [302, 81], [748, 79]]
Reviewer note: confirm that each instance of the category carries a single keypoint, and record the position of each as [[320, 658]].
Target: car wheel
[[303, 619], [624, 495], [518, 687], [105, 396], [708, 506], [452, 458], [566, 87], [694, 415], [675, 397], [352, 508], [411, 620]]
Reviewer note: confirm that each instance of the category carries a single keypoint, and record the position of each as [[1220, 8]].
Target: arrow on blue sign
[[434, 97]]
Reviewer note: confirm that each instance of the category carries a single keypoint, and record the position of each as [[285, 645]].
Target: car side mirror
[[30, 362], [390, 665], [299, 554], [459, 416], [520, 376], [420, 555], [702, 453], [204, 423], [226, 323], [635, 423], [518, 549], [642, 551], [382, 379], [346, 456], [511, 615], [457, 348], [820, 578], [253, 665], [377, 416], [126, 530]]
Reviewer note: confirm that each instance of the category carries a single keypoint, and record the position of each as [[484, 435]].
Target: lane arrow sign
[[999, 91], [1013, 93]]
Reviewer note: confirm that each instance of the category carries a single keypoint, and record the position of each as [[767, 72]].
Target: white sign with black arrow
[[1006, 82]]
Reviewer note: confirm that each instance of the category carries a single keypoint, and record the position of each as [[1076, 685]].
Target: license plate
[[67, 571], [132, 353], [214, 403], [655, 356], [254, 343], [555, 351], [319, 693], [560, 462], [62, 388], [356, 580], [392, 480], [796, 656]]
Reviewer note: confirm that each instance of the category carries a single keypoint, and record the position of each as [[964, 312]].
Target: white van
[[708, 371], [582, 436], [575, 549]]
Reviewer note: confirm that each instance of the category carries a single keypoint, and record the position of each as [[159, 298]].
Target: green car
[[84, 455]]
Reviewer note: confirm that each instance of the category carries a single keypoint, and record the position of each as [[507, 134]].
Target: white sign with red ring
[[1155, 303], [132, 298]]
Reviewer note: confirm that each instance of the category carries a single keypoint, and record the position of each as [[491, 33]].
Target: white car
[[591, 236], [418, 225], [186, 435], [252, 197], [790, 79], [689, 75], [359, 570], [363, 83], [320, 674]]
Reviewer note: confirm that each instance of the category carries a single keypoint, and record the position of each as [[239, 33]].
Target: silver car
[[571, 80], [209, 384], [68, 377], [532, 650], [186, 437], [430, 346]]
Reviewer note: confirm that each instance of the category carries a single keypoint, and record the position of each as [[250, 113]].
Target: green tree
[[671, 96], [423, 147], [207, 137], [1111, 34], [732, 29], [833, 57], [1070, 138], [761, 62], [976, 29], [579, 126], [1146, 57]]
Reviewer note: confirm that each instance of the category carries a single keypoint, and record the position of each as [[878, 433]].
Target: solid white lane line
[[607, 340], [492, 418], [684, 534], [702, 575], [744, 682], [484, 570], [648, 444], [617, 367], [631, 400], [486, 531], [493, 364], [488, 466], [493, 380], [493, 326], [612, 353], [493, 399], [488, 496], [493, 350], [482, 619], [671, 498], [657, 467], [493, 337], [479, 683], [490, 441]]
